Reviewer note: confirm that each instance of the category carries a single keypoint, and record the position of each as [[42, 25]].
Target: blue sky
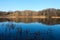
[[13, 5]]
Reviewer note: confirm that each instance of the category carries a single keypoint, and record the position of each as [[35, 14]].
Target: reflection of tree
[[19, 33], [37, 35], [27, 34], [50, 34], [8, 30], [11, 25]]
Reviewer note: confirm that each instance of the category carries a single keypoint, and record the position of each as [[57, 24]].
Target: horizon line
[[27, 10]]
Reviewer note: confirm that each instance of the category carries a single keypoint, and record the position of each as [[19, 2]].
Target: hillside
[[49, 16]]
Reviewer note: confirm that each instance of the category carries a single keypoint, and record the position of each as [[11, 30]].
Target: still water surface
[[29, 31]]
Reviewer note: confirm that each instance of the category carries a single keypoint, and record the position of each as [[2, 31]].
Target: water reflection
[[28, 31], [49, 21]]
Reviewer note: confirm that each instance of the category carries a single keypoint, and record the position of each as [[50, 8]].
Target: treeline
[[46, 12]]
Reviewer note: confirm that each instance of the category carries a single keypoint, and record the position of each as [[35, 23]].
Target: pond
[[29, 31]]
